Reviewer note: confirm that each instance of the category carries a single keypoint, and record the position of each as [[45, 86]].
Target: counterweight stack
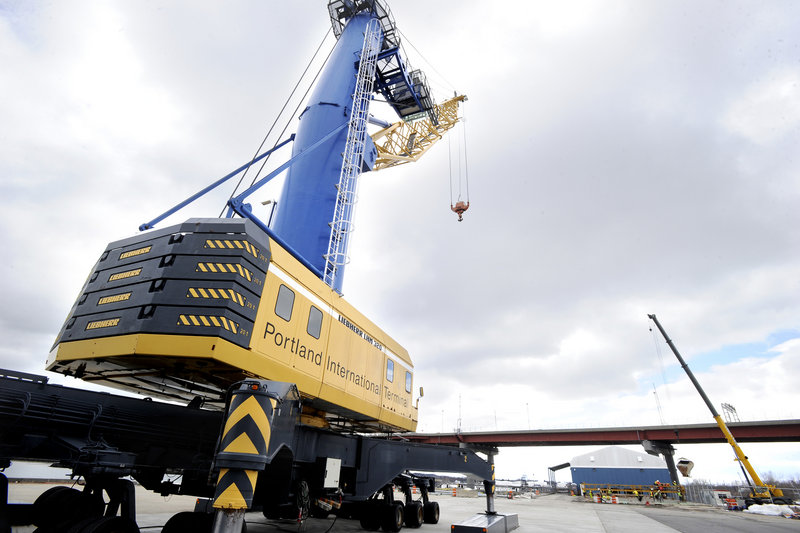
[[184, 312]]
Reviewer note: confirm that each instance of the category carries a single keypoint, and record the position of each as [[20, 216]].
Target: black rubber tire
[[43, 507], [430, 513], [60, 507], [189, 521], [392, 517], [105, 524], [370, 518], [413, 515]]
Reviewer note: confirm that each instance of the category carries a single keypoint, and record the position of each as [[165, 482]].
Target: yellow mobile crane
[[266, 390], [760, 492], [182, 313]]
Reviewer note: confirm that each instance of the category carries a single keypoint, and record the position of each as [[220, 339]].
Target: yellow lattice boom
[[404, 142]]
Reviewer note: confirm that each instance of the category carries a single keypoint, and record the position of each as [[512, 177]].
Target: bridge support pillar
[[658, 447]]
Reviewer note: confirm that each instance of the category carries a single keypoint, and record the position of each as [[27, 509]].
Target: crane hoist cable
[[459, 206], [460, 203], [293, 115], [660, 362], [407, 40], [280, 113]]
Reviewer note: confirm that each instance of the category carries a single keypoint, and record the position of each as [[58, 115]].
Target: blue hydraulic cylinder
[[308, 199]]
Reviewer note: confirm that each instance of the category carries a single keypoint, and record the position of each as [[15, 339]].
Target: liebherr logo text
[[355, 329]]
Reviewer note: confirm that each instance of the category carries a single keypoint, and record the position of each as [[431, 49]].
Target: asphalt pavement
[[548, 513]]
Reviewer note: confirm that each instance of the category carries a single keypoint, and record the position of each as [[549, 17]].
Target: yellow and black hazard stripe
[[245, 441], [224, 268], [216, 294], [227, 244], [247, 428], [235, 488], [208, 321]]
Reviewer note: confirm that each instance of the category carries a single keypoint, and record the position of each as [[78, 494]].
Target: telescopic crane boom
[[760, 492]]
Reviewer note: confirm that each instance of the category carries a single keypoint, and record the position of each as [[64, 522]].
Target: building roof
[[617, 457]]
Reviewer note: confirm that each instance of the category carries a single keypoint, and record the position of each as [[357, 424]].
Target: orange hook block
[[459, 209]]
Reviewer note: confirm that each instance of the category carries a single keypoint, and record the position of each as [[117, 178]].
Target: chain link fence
[[701, 491]]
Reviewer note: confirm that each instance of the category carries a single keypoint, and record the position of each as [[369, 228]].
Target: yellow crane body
[[760, 490], [183, 312]]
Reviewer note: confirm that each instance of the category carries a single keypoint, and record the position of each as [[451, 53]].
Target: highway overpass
[[754, 431]]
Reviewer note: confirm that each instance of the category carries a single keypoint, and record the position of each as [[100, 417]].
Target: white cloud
[[623, 161], [768, 109]]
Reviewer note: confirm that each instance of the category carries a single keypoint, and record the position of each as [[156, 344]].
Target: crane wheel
[[370, 518], [58, 508], [392, 517], [189, 521], [413, 515], [430, 512]]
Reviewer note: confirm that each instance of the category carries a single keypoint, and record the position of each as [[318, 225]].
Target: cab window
[[408, 381], [285, 303], [389, 370], [314, 322]]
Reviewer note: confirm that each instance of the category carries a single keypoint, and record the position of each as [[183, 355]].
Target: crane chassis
[[252, 456]]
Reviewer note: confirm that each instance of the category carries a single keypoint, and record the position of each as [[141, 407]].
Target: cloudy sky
[[624, 158]]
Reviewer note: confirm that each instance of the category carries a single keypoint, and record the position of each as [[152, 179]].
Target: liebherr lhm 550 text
[[280, 392]]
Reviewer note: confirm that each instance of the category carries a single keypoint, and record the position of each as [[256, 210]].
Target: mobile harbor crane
[[281, 393], [760, 492]]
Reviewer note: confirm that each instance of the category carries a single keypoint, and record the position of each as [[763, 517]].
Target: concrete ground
[[548, 513]]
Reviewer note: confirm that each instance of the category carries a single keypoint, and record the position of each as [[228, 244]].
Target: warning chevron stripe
[[246, 433], [235, 489], [247, 416], [242, 444]]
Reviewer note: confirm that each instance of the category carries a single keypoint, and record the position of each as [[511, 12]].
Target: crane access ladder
[[353, 157]]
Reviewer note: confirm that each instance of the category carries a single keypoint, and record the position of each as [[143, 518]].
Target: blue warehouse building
[[619, 466]]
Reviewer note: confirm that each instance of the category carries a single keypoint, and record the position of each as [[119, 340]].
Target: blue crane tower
[[315, 213], [331, 147]]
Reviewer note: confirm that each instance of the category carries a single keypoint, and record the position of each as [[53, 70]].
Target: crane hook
[[459, 209]]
